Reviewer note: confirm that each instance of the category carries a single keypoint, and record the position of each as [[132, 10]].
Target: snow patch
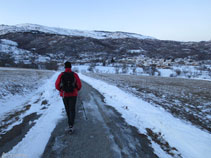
[[34, 142], [9, 42]]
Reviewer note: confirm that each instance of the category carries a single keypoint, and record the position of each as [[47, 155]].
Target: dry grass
[[187, 99]]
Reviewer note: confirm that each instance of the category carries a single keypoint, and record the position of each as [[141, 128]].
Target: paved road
[[103, 135]]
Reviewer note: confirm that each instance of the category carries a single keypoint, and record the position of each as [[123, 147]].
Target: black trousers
[[70, 103]]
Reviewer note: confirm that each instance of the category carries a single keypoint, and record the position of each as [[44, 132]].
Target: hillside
[[43, 47]]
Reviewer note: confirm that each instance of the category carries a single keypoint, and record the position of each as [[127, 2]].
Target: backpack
[[68, 82]]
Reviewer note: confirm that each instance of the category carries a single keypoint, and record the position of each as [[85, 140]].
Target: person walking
[[68, 84]]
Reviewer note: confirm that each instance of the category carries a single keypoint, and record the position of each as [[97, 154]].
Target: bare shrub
[[134, 71], [124, 69], [116, 69], [178, 72], [91, 67]]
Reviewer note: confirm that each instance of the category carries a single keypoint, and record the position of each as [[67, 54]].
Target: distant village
[[163, 63]]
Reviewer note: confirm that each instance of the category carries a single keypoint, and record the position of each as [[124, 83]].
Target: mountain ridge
[[36, 45], [4, 29]]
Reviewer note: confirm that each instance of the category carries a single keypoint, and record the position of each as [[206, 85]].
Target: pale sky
[[183, 20]]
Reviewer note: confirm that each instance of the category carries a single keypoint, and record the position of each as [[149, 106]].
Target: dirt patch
[[17, 133], [44, 102], [157, 137], [12, 117]]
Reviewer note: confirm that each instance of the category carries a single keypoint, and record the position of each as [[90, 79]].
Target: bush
[[178, 72], [124, 69], [134, 71], [117, 70], [171, 75], [151, 70], [159, 73], [91, 68]]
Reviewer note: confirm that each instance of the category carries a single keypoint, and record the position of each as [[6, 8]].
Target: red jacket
[[78, 85]]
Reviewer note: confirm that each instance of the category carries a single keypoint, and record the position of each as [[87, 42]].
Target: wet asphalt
[[99, 132]]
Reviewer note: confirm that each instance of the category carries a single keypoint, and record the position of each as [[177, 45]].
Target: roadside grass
[[186, 99], [21, 81]]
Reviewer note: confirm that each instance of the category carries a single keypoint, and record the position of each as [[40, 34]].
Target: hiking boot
[[70, 130]]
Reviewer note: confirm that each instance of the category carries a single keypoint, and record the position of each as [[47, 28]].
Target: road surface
[[101, 132]]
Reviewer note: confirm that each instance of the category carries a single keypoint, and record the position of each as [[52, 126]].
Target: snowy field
[[31, 108], [184, 98], [170, 136], [27, 119], [18, 84]]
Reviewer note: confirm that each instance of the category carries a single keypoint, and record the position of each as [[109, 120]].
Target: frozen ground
[[187, 99], [28, 116], [18, 84], [170, 136], [26, 130]]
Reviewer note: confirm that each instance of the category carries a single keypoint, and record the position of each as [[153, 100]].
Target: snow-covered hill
[[42, 47], [4, 29]]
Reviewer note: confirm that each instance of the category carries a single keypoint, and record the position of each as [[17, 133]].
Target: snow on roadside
[[8, 42], [189, 140], [34, 142], [17, 85]]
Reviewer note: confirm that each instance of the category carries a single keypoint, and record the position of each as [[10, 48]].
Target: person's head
[[67, 64]]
